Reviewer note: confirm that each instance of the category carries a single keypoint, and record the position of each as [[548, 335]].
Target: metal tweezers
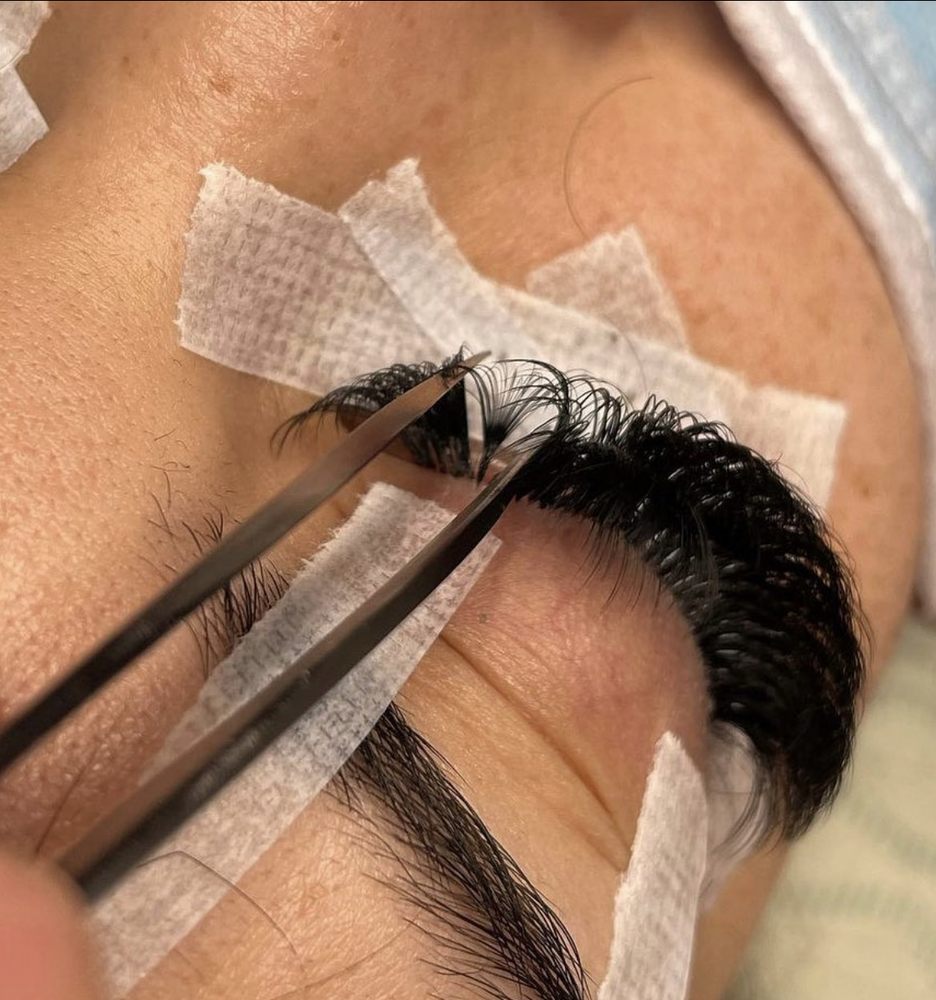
[[162, 803]]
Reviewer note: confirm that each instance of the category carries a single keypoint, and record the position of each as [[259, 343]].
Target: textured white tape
[[279, 288], [613, 277], [656, 907], [417, 258], [151, 911], [19, 22], [21, 122]]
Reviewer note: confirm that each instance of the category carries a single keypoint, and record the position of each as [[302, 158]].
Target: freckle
[[483, 618], [222, 84], [336, 36], [436, 116]]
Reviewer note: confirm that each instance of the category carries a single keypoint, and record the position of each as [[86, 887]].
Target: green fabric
[[854, 915]]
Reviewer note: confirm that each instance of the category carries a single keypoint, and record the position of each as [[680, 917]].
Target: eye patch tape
[[161, 901], [282, 289], [20, 20], [21, 122]]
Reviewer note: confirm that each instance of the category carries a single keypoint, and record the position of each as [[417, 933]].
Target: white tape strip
[[281, 289], [19, 22], [21, 122], [656, 907], [418, 259], [613, 277], [149, 914]]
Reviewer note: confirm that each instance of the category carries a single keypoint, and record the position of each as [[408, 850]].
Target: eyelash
[[746, 558], [245, 598]]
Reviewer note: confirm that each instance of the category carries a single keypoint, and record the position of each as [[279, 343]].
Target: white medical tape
[[19, 22], [149, 913], [281, 289], [417, 258], [613, 277], [21, 122], [656, 906]]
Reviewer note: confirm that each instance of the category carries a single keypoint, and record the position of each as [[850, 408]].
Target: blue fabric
[[916, 22], [886, 51]]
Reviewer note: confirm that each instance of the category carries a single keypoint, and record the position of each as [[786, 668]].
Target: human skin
[[44, 949], [99, 404]]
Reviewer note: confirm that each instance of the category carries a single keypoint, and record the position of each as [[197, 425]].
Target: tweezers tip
[[474, 360]]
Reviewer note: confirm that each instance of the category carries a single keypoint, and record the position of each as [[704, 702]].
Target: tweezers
[[163, 802]]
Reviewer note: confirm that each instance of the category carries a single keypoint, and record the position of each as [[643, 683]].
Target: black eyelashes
[[439, 440], [230, 614], [747, 559]]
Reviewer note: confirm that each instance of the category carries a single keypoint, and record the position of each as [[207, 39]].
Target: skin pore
[[106, 420]]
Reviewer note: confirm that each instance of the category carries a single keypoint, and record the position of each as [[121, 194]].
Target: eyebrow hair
[[228, 615], [491, 924]]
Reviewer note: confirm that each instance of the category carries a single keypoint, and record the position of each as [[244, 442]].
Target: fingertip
[[45, 951]]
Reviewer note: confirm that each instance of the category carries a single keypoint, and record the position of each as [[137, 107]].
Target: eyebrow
[[490, 921], [490, 924]]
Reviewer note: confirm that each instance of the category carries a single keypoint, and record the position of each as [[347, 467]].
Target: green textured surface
[[854, 915]]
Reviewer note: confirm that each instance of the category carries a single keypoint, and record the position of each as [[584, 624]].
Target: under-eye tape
[[149, 913], [19, 22], [21, 122], [279, 288]]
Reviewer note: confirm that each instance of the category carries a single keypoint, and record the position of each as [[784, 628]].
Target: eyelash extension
[[497, 926], [747, 559]]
